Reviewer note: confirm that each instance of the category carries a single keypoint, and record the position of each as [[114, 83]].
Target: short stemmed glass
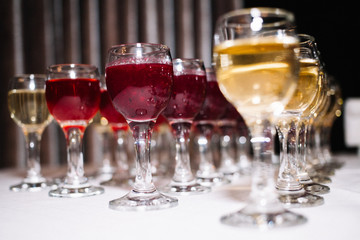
[[27, 106], [288, 184], [139, 79], [257, 70], [205, 123], [73, 98], [119, 128], [186, 100]]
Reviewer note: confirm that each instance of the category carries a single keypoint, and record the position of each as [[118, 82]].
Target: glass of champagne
[[187, 97], [139, 79], [309, 86], [73, 98], [205, 124], [307, 118], [27, 106], [257, 70]]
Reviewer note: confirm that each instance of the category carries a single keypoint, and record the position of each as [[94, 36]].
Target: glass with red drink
[[205, 123], [186, 100], [73, 98], [139, 79]]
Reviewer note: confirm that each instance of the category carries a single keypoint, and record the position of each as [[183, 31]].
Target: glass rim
[[65, 67], [254, 11], [307, 38], [180, 60], [30, 76], [161, 48]]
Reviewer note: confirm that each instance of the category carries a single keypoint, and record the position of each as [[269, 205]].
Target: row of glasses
[[257, 70], [309, 87]]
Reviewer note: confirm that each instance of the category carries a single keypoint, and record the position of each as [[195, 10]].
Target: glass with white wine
[[257, 70], [27, 106], [291, 191]]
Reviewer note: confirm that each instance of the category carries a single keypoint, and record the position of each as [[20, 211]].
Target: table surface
[[25, 215]]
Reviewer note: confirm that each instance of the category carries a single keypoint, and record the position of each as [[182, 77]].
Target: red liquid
[[140, 92], [107, 110], [187, 97], [73, 100], [214, 105]]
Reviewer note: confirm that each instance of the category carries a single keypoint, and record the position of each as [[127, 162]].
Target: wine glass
[[257, 70], [205, 122], [73, 98], [27, 106], [187, 97], [291, 190], [139, 79], [306, 173], [119, 128]]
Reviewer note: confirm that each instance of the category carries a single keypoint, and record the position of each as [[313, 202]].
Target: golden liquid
[[307, 86], [28, 109], [320, 97], [257, 75]]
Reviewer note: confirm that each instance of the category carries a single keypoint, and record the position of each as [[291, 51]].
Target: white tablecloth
[[25, 215]]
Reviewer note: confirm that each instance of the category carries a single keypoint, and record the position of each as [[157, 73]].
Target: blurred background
[[37, 33]]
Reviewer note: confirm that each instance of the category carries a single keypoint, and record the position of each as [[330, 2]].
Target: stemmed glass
[[257, 70], [205, 123], [309, 86], [73, 98], [119, 128], [27, 106], [186, 100], [305, 171], [139, 79]]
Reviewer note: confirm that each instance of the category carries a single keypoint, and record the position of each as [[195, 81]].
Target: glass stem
[[33, 141], [120, 151], [206, 164], [142, 137], [106, 166], [263, 196], [183, 173], [302, 165], [227, 149], [75, 173]]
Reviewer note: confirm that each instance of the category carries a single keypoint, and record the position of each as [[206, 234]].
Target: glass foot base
[[316, 188], [321, 179], [137, 201], [185, 189], [33, 187], [212, 181], [263, 220], [68, 192], [301, 200]]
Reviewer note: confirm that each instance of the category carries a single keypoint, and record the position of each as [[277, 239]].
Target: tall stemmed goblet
[[291, 191], [257, 70], [306, 123], [205, 123], [186, 100], [139, 79], [119, 128], [27, 106], [73, 98]]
